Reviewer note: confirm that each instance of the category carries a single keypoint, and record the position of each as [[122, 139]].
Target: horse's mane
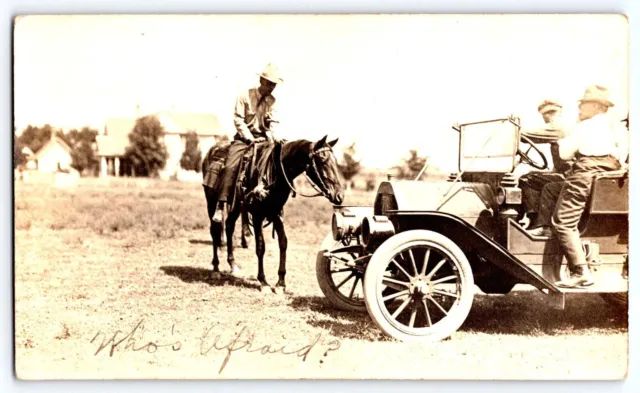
[[268, 155]]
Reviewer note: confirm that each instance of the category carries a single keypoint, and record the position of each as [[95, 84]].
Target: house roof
[[205, 124], [116, 138], [54, 140], [27, 152]]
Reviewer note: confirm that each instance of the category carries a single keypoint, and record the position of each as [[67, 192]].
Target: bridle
[[322, 189]]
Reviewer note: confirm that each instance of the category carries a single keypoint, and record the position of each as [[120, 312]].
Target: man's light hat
[[271, 73], [597, 93]]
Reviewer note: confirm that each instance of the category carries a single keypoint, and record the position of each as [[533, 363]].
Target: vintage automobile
[[419, 253]]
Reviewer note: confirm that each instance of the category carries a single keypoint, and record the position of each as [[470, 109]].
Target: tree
[[146, 152], [18, 157], [83, 157], [36, 137], [192, 156], [350, 166], [412, 165]]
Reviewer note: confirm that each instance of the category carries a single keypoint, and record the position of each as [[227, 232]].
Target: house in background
[[28, 155], [114, 139], [178, 125], [112, 143], [54, 156]]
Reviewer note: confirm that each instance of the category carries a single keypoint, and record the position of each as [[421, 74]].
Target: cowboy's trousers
[[572, 196], [232, 164]]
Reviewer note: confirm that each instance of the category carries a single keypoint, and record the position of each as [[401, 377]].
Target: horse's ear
[[333, 142], [320, 143]]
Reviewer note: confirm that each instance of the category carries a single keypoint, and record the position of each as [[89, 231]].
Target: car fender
[[480, 247]]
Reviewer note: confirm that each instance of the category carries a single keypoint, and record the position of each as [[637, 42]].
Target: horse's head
[[323, 170]]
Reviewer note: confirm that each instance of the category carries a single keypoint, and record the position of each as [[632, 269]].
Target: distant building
[[28, 155], [54, 156], [114, 140]]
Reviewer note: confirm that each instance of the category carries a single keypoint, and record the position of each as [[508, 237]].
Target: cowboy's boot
[[580, 278], [218, 215]]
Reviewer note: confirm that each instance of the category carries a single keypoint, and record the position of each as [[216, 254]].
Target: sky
[[388, 83]]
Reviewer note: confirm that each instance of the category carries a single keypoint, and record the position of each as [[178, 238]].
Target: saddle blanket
[[213, 166]]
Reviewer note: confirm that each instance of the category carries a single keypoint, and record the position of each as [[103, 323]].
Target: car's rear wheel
[[340, 273], [619, 300], [418, 286]]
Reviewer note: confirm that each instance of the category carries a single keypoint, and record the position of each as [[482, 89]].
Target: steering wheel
[[525, 155]]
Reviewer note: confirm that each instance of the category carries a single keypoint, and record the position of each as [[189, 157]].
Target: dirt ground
[[111, 282]]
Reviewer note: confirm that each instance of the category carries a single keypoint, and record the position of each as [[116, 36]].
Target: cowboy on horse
[[254, 117], [258, 178]]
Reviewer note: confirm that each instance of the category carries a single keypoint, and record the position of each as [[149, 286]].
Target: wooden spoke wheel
[[340, 269], [418, 286]]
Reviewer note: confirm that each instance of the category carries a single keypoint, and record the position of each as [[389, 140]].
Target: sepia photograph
[[357, 196]]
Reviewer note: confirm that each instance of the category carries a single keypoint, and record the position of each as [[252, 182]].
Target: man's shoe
[[217, 216], [581, 278], [543, 231]]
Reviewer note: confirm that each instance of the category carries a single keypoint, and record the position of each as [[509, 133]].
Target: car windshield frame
[[481, 159]]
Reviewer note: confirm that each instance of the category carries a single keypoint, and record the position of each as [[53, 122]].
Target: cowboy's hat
[[271, 73], [549, 105], [597, 93]]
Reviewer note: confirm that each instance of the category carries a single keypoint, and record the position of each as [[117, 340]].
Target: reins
[[321, 190]]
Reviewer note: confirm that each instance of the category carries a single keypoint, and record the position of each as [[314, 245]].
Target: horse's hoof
[[266, 289], [280, 290], [215, 276]]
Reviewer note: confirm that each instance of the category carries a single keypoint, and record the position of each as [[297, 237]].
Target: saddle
[[253, 174], [256, 172]]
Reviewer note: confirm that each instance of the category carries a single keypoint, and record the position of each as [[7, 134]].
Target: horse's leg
[[282, 242], [247, 227], [260, 250], [223, 237], [245, 232], [230, 223], [215, 230]]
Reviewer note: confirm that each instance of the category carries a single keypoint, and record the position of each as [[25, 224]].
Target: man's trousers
[[572, 196]]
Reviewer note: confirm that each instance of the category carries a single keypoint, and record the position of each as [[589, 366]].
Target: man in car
[[597, 145], [254, 117], [533, 183]]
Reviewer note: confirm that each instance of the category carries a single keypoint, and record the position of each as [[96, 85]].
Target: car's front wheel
[[419, 286]]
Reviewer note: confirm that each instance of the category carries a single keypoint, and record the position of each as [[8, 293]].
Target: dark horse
[[265, 185]]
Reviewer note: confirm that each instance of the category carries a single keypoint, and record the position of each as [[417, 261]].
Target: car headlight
[[345, 224], [376, 230]]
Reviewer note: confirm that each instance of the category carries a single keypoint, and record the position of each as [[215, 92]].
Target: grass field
[[122, 267]]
